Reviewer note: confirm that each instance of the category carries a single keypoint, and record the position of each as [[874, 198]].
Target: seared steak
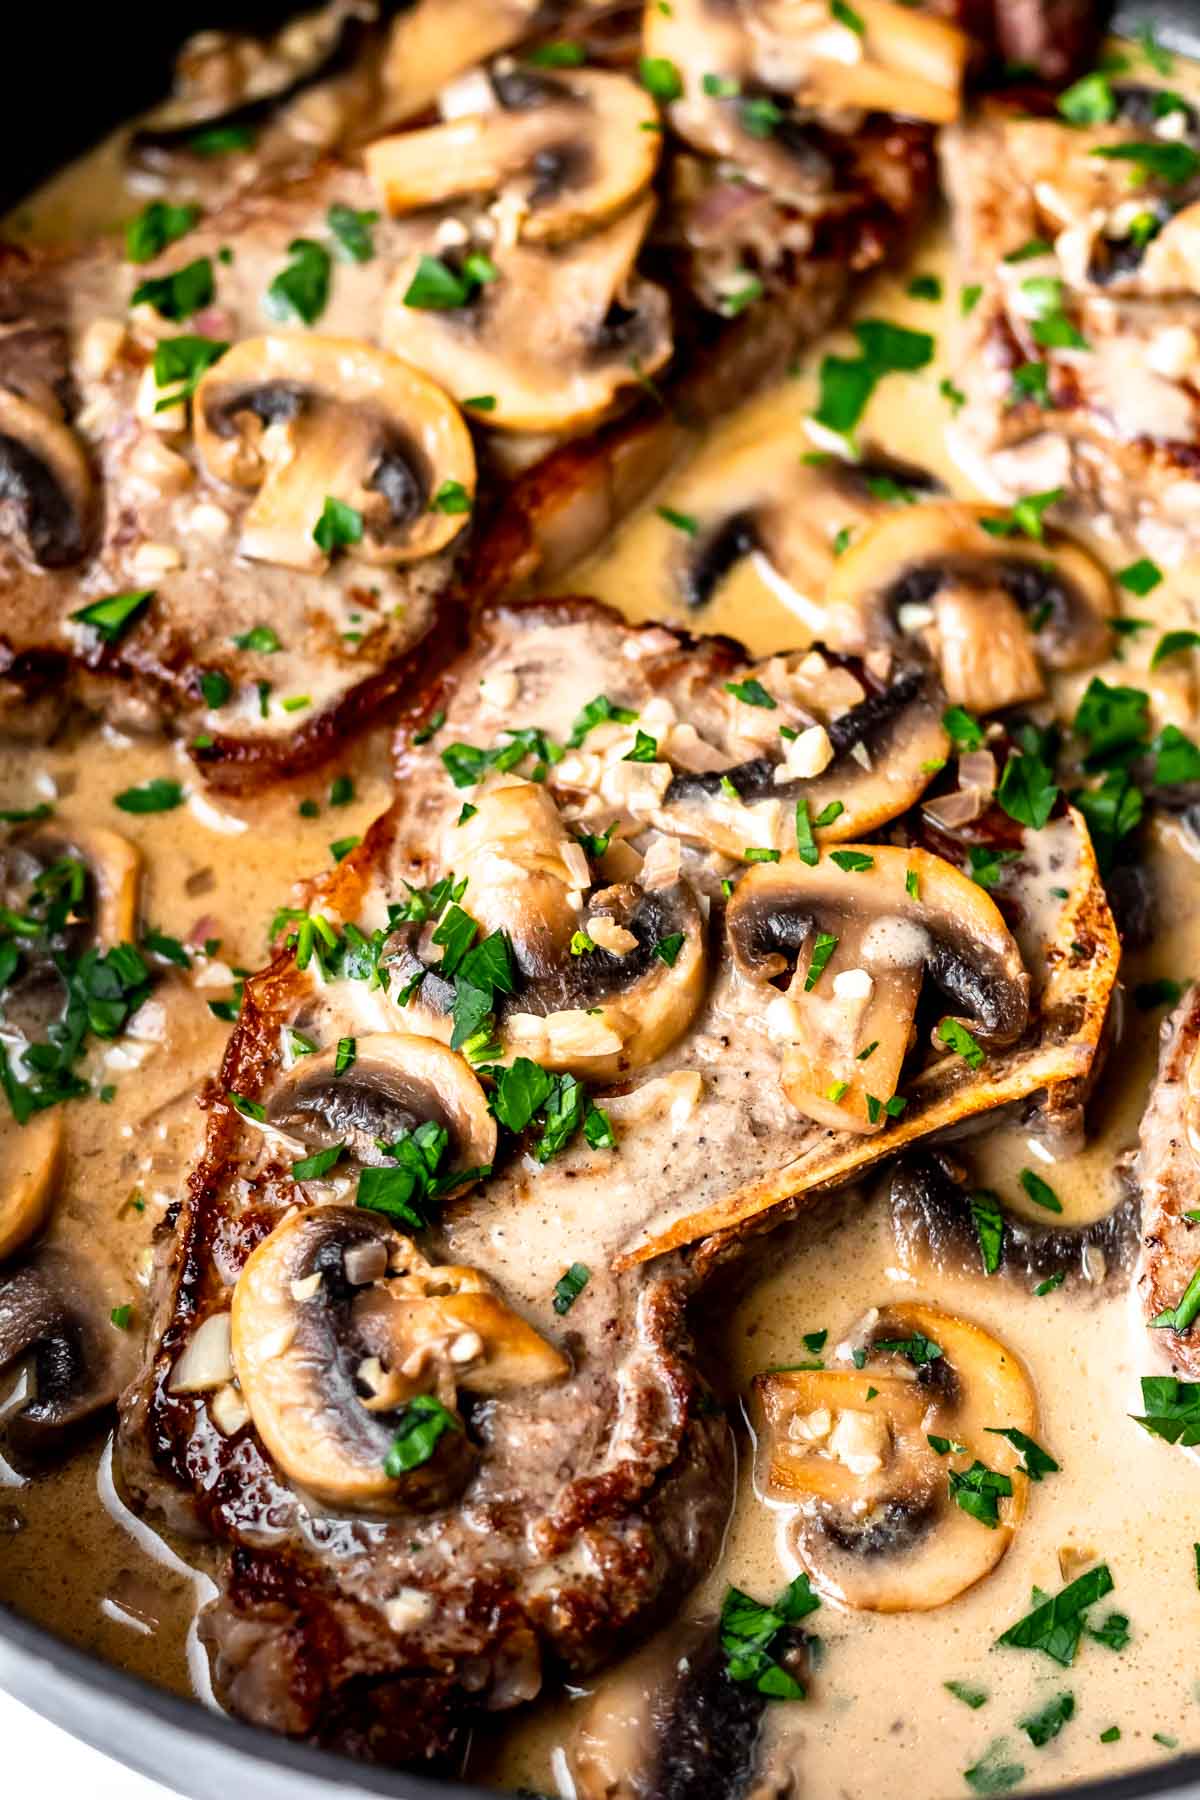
[[1168, 1170], [1077, 351]]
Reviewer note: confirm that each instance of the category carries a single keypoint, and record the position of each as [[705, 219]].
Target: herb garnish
[[569, 1286], [351, 230], [848, 383], [750, 1636], [1042, 1727], [1056, 1625], [421, 1424], [155, 227], [989, 1227], [299, 294], [179, 295], [979, 1491], [113, 616], [1039, 1191], [1037, 1462]]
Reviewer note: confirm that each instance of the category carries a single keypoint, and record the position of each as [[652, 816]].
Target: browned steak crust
[[1168, 1171]]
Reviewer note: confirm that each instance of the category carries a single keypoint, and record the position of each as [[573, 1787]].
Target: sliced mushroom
[[432, 41], [764, 501], [554, 338], [934, 1228], [55, 1320], [875, 1520], [990, 609], [595, 1011], [395, 1084], [810, 67], [82, 882], [303, 419], [327, 1365], [871, 759], [29, 1179], [237, 81], [47, 496], [671, 1724], [846, 1021], [560, 153]]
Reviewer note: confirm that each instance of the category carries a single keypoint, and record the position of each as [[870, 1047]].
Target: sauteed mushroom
[[54, 1316], [990, 609], [305, 419], [560, 153], [806, 65], [934, 1230], [764, 500], [341, 1331], [867, 761], [237, 81], [553, 338], [876, 1522], [47, 496], [395, 1084], [859, 940], [432, 41], [32, 1161], [671, 1724], [598, 1011]]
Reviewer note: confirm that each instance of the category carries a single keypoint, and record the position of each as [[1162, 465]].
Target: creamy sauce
[[878, 1719]]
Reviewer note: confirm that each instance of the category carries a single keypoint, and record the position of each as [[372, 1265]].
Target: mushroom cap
[[902, 914], [885, 749], [32, 1162], [303, 419], [598, 1012], [54, 1312], [563, 151], [554, 338], [395, 1083], [990, 608], [875, 1523], [47, 496], [312, 1348]]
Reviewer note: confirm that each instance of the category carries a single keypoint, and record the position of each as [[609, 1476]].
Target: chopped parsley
[[1039, 1191], [451, 498], [667, 948], [1171, 643], [569, 1286], [1037, 1462], [986, 867], [846, 384], [979, 1491], [1026, 516], [991, 1775], [599, 711], [312, 1168], [645, 748], [1089, 101], [351, 231], [660, 77], [1055, 1626], [989, 1227], [751, 1634], [964, 731], [1170, 163], [824, 945], [957, 1038], [1182, 1316], [1027, 790], [260, 638], [1041, 1727], [751, 692], [155, 227], [112, 617], [917, 1349], [159, 795], [179, 295], [1141, 577], [682, 521], [853, 862], [421, 1424], [971, 1696], [299, 294], [925, 287], [179, 364]]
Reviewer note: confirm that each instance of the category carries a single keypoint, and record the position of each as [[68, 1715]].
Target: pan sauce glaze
[[878, 1718]]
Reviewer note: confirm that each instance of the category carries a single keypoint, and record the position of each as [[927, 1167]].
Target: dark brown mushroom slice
[[55, 1317], [885, 751], [395, 1084], [935, 1231], [672, 1724], [331, 51], [47, 496]]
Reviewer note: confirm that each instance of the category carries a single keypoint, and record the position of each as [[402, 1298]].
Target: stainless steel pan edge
[[198, 1753]]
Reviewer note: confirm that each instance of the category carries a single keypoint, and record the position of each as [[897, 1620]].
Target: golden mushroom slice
[[46, 482], [348, 1343], [886, 1519], [303, 419], [395, 1084], [738, 59], [992, 610], [553, 339], [29, 1179], [560, 153], [606, 975], [432, 41], [861, 752], [857, 932]]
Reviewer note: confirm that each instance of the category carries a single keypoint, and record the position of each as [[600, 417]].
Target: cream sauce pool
[[878, 1718]]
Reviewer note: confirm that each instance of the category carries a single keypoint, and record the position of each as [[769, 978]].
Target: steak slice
[[1168, 1171], [1079, 265]]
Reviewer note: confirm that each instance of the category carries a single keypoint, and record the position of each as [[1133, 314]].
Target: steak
[[1168, 1172]]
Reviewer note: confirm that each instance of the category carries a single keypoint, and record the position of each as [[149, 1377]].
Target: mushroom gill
[[350, 1349], [901, 1490], [302, 420], [606, 975], [856, 938]]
